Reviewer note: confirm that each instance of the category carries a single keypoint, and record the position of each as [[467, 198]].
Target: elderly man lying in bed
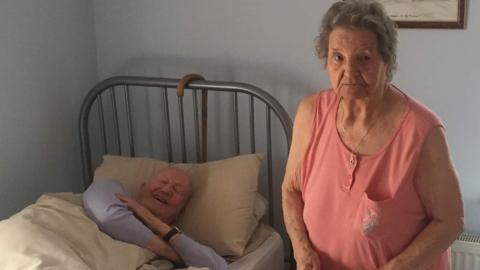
[[155, 207]]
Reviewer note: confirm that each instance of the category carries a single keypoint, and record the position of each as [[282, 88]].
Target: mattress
[[269, 256]]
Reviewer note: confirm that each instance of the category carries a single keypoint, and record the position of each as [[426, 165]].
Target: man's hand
[[140, 211], [154, 223], [156, 245]]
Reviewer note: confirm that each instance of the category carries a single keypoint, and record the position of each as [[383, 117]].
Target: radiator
[[466, 252]]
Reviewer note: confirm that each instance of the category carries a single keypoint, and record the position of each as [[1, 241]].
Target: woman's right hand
[[308, 260]]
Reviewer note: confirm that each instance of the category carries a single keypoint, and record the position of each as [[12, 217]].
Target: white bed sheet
[[269, 256]]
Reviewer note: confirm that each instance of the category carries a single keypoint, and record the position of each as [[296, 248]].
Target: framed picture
[[426, 13]]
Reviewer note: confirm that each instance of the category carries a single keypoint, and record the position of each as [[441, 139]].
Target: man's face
[[166, 193]]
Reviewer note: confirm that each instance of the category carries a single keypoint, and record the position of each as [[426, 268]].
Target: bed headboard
[[168, 119], [114, 130]]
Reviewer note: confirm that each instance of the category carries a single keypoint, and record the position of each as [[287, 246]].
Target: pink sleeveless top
[[361, 212]]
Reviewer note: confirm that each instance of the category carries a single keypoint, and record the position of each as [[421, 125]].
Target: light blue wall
[[269, 43], [47, 63], [48, 60]]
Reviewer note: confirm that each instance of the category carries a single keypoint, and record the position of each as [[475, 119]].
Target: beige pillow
[[221, 211], [261, 207]]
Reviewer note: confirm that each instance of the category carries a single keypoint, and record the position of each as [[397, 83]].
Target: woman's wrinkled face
[[354, 64], [166, 193]]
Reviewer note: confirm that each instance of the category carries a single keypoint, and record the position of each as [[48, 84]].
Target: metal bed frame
[[114, 89]]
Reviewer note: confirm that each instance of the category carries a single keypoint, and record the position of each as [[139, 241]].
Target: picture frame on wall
[[426, 13]]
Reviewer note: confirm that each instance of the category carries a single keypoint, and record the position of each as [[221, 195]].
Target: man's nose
[[167, 190]]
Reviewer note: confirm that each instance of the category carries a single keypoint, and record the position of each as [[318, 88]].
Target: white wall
[[47, 63], [269, 43]]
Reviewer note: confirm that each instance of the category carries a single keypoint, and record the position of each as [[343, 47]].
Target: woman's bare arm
[[292, 202], [437, 185]]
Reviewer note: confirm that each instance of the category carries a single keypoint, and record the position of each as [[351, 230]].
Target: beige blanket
[[55, 233]]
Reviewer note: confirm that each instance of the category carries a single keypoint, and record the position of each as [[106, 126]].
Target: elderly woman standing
[[369, 183]]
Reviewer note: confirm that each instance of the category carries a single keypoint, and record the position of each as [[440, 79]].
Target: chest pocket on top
[[373, 218]]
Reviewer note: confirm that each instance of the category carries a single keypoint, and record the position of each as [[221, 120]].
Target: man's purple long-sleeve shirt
[[115, 219]]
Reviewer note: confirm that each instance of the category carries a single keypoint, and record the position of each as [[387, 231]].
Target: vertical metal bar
[[196, 125], [167, 121], [115, 119], [102, 123], [252, 125], [204, 125], [131, 143], [182, 129], [236, 136], [269, 167], [86, 153]]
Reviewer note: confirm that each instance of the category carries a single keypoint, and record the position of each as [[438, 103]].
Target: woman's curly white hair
[[361, 14]]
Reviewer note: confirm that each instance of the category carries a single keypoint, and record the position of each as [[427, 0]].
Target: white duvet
[[55, 233]]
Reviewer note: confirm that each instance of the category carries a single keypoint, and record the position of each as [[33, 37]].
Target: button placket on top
[[352, 165]]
